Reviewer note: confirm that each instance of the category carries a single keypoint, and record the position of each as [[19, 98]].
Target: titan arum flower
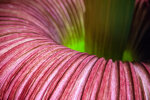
[[74, 49]]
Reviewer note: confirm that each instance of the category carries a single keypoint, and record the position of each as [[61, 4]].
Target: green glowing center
[[127, 56], [103, 30], [78, 46]]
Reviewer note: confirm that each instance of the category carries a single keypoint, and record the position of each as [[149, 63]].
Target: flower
[[36, 64]]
